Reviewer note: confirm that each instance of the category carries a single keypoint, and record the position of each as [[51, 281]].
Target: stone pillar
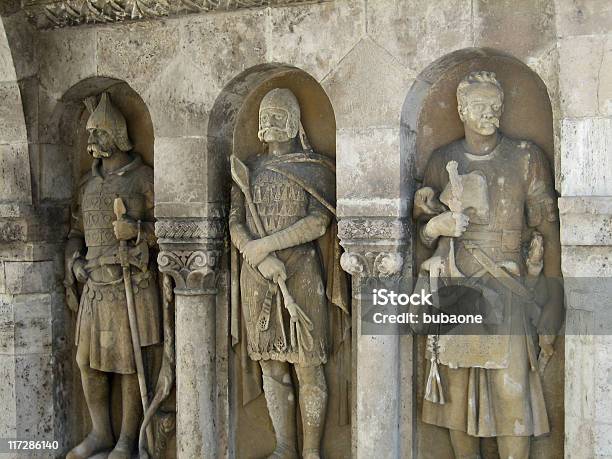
[[193, 263], [373, 250]]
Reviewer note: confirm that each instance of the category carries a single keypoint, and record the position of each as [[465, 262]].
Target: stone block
[[32, 317], [14, 162], [586, 157], [136, 53], [579, 371], [583, 17], [34, 396], [314, 37], [602, 377], [585, 64], [12, 121], [30, 277], [586, 261], [2, 278], [417, 32], [522, 28], [362, 95], [586, 220], [180, 170], [7, 326], [364, 181], [66, 56], [56, 174], [8, 419], [603, 440]]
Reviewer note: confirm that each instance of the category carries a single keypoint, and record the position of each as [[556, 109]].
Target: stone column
[[190, 252], [373, 250]]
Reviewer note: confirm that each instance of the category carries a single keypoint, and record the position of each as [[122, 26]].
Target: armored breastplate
[[280, 202], [98, 214]]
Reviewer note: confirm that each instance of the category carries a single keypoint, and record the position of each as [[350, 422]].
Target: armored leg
[[96, 390], [280, 398], [513, 447], [131, 409], [313, 405], [465, 446]]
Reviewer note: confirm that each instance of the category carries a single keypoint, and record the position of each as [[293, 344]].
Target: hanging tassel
[[434, 392]]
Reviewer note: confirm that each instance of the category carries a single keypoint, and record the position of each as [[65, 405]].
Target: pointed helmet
[[284, 99], [108, 118]]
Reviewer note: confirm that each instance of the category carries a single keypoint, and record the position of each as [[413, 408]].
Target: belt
[[506, 240]]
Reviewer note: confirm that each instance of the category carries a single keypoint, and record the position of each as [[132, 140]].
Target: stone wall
[[366, 55]]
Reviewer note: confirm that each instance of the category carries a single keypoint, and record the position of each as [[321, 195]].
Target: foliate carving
[[47, 14], [372, 264], [194, 271], [189, 230], [373, 246]]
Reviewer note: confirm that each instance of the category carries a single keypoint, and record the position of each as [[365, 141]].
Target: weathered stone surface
[[597, 261], [184, 158], [314, 37], [585, 64], [364, 180], [21, 37], [12, 122], [7, 68], [8, 419], [583, 17], [56, 181], [586, 157], [26, 324], [521, 27], [586, 220], [14, 162], [34, 396], [29, 277], [362, 96], [65, 58], [136, 53], [214, 49], [417, 32]]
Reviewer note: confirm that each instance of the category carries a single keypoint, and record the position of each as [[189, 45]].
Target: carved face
[[100, 143], [481, 108], [273, 125]]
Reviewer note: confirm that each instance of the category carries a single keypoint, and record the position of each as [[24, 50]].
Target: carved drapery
[[47, 14]]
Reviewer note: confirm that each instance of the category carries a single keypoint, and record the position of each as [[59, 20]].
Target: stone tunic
[[103, 304], [280, 203], [491, 382]]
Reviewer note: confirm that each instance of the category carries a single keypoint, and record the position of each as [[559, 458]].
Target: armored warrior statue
[[107, 251], [282, 222], [483, 196]]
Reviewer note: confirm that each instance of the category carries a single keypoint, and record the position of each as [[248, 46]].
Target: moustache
[[493, 121], [95, 151], [271, 129]]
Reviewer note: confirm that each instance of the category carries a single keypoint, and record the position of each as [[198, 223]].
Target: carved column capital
[[194, 271], [374, 246], [190, 250]]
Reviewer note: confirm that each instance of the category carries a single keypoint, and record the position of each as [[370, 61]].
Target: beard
[[97, 152], [272, 134], [488, 126]]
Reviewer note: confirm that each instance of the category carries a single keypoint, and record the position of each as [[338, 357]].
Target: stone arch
[[429, 120], [232, 129], [16, 183]]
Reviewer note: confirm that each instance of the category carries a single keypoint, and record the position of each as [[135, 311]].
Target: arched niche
[[67, 124], [430, 120], [233, 129]]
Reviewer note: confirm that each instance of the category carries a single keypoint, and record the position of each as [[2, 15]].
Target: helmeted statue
[[282, 221], [103, 242], [488, 210]]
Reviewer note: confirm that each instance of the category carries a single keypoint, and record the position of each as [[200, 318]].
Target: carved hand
[[125, 229], [272, 269], [451, 224], [79, 270], [255, 251]]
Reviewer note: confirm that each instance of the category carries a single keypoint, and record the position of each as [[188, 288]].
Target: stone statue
[[483, 196], [119, 309], [282, 222]]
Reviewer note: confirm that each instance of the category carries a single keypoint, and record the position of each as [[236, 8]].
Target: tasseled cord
[[434, 392]]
